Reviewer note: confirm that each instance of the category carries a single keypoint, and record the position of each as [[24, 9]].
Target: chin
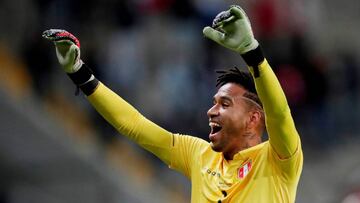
[[215, 148]]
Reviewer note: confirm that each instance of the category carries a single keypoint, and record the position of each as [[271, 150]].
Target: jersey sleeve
[[129, 122], [283, 136], [186, 153]]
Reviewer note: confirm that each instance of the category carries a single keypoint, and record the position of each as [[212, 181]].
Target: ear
[[254, 119]]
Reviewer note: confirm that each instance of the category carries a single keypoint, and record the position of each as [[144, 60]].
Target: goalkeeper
[[236, 165]]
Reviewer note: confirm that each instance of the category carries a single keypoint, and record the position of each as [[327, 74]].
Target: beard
[[227, 138], [216, 148]]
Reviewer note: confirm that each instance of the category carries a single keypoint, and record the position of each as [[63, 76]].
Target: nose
[[213, 111]]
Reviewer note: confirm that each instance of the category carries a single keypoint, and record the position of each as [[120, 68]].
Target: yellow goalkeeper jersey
[[266, 173]]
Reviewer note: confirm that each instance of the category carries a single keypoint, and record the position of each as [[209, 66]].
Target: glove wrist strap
[[253, 58], [81, 76], [84, 79], [89, 87]]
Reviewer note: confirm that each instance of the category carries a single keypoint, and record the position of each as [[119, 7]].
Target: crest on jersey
[[245, 169]]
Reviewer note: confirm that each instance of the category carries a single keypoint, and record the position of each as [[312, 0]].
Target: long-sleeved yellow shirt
[[266, 173]]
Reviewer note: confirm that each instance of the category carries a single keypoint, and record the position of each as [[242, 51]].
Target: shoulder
[[191, 144], [181, 139]]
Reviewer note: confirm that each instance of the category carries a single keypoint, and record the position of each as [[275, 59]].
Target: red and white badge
[[245, 169]]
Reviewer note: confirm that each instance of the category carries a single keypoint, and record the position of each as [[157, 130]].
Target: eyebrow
[[230, 99], [227, 98]]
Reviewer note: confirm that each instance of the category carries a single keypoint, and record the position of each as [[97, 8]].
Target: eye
[[225, 104]]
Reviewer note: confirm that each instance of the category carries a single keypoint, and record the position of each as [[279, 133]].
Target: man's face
[[227, 118]]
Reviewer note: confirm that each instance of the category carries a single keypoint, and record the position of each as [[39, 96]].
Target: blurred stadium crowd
[[153, 54]]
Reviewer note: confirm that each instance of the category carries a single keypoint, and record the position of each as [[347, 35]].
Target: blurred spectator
[[312, 70], [293, 84]]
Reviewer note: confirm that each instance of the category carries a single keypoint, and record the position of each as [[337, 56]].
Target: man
[[236, 166]]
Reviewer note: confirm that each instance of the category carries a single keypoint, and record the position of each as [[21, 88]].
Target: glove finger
[[63, 46], [57, 35], [238, 12], [221, 18], [229, 20], [52, 34], [213, 34], [67, 56]]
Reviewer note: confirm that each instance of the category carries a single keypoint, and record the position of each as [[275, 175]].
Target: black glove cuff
[[81, 76], [81, 79], [253, 58], [89, 87]]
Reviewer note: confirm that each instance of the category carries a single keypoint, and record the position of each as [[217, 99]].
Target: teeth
[[212, 124]]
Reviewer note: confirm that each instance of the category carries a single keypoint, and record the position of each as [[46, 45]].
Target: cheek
[[237, 115], [236, 121]]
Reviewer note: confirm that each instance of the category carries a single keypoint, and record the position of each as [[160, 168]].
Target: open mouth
[[215, 127]]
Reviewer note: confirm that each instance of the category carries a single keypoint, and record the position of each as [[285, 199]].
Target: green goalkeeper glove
[[232, 30], [67, 49], [68, 54]]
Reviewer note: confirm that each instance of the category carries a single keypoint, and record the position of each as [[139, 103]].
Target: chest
[[225, 176], [221, 181]]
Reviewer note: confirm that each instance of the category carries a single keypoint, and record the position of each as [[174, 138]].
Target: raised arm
[[232, 30], [126, 119]]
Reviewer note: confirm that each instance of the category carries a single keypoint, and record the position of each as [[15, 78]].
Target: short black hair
[[240, 77]]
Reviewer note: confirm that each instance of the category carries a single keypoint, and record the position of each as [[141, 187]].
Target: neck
[[249, 139]]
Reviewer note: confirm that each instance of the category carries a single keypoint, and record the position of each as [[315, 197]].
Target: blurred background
[[55, 148]]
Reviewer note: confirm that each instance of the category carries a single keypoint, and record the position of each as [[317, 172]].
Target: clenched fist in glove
[[67, 49], [68, 54], [232, 30]]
